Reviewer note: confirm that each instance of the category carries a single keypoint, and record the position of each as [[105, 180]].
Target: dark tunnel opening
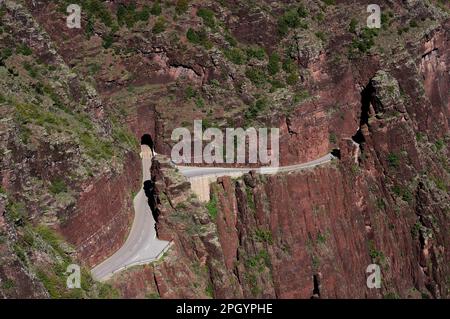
[[336, 153], [149, 190], [147, 139], [316, 287]]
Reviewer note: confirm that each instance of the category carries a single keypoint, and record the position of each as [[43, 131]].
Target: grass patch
[[207, 16], [199, 37], [273, 67], [160, 25], [393, 160], [24, 50], [128, 15], [292, 19], [376, 255], [16, 211], [363, 43], [255, 52], [181, 6], [58, 186], [211, 206], [264, 235], [236, 56], [256, 75]]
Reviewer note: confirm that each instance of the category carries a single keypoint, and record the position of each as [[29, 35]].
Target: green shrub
[[274, 64], [376, 255], [160, 25], [128, 14], [415, 230], [108, 40], [321, 238], [329, 2], [256, 75], [207, 16], [98, 9], [24, 50], [440, 183], [321, 36], [236, 56], [264, 235], [439, 144], [301, 96], [8, 284], [302, 11], [190, 92], [199, 102], [364, 42], [352, 26], [255, 52], [230, 39], [181, 6], [292, 19], [259, 106], [48, 235], [198, 37], [209, 290], [211, 206], [144, 14], [289, 65], [32, 71], [156, 8], [333, 138], [58, 186], [16, 211], [292, 78], [393, 160], [89, 30], [96, 148], [6, 53]]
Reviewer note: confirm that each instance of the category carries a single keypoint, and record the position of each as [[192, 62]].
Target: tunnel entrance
[[336, 153], [146, 139], [316, 287]]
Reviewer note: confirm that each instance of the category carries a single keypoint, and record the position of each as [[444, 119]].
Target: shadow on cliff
[[149, 190]]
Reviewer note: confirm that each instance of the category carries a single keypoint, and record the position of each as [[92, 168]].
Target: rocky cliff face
[[74, 102]]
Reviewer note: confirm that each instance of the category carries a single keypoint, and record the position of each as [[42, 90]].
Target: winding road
[[194, 171], [142, 246]]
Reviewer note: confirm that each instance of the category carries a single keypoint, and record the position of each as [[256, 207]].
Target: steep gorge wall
[[104, 213]]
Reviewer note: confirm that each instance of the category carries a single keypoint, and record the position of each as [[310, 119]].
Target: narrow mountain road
[[194, 171], [142, 246]]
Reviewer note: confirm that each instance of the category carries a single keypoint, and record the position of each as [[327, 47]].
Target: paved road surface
[[141, 246], [192, 171]]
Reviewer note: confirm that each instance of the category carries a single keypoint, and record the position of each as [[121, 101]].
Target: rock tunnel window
[[336, 153], [146, 139], [316, 287]]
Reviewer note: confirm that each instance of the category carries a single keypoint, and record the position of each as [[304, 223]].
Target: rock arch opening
[[147, 139], [336, 153]]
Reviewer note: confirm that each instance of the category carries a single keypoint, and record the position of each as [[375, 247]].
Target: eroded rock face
[[69, 98], [107, 204]]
